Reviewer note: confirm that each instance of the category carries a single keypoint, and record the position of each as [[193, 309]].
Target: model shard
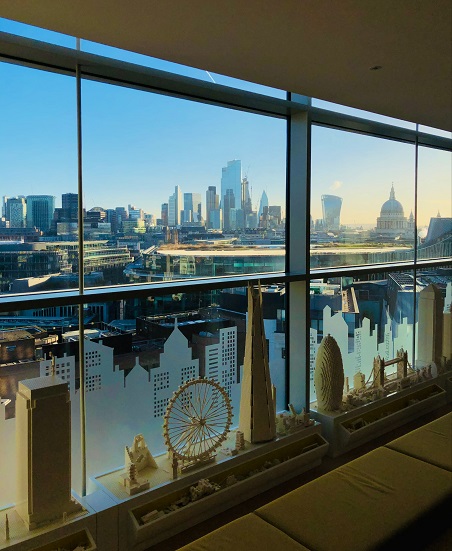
[[329, 375], [257, 408], [43, 451]]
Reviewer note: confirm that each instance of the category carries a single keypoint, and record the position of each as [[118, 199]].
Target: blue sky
[[137, 146]]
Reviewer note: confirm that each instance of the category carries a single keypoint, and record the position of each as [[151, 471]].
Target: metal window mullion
[[297, 237], [81, 283], [416, 172]]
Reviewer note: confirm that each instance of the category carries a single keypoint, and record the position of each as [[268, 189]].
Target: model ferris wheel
[[197, 420]]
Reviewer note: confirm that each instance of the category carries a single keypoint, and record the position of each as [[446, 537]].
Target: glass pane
[[36, 33], [435, 131], [173, 190], [369, 316], [35, 343], [434, 203], [38, 171], [362, 199], [361, 113], [142, 350], [434, 321], [179, 69]]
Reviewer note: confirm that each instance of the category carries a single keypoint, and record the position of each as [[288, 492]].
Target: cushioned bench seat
[[360, 505], [397, 493], [245, 534], [431, 443]]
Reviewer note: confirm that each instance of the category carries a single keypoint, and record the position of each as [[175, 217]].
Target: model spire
[[257, 408]]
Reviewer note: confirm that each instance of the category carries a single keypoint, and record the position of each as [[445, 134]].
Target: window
[[177, 189], [186, 194], [362, 199]]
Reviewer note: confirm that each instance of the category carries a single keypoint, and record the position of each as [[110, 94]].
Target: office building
[[40, 210], [16, 211], [262, 204], [69, 203], [192, 207], [175, 205], [212, 203], [331, 209], [231, 190]]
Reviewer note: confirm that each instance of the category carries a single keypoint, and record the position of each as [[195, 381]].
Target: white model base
[[21, 539], [305, 450], [345, 431]]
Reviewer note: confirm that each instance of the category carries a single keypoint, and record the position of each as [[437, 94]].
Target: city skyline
[[257, 206], [138, 146]]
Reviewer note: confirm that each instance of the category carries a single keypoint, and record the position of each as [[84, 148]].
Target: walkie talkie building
[[331, 209]]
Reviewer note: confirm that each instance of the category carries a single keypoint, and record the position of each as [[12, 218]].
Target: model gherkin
[[257, 407], [329, 375]]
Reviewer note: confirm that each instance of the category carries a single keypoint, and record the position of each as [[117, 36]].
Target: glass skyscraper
[[331, 209], [231, 187]]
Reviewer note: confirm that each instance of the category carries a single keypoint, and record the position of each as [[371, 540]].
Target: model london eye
[[197, 420]]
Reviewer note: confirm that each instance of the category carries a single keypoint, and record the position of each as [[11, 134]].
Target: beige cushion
[[361, 504], [431, 443], [245, 534]]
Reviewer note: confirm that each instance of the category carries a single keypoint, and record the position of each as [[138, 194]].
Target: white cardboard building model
[[257, 408], [329, 375], [430, 327], [139, 454], [43, 451]]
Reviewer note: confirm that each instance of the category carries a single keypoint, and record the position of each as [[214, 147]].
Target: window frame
[[300, 116]]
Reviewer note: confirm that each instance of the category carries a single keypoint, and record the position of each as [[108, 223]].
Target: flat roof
[[221, 252]]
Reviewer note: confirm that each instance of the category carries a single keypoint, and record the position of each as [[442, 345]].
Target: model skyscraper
[[329, 375], [257, 408], [43, 451]]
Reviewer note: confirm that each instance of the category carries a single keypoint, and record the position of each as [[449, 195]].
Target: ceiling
[[319, 48]]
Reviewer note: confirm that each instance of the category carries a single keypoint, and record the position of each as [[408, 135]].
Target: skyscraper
[[246, 206], [40, 210], [164, 214], [16, 210], [231, 186], [229, 210], [4, 200], [212, 203], [263, 203], [69, 203], [331, 209], [192, 207], [175, 207]]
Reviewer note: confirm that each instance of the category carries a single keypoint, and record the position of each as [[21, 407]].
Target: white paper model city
[[198, 415]]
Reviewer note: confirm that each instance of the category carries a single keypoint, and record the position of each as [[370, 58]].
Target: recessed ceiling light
[[375, 68]]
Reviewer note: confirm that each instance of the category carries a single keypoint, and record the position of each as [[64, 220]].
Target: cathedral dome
[[392, 222], [392, 206]]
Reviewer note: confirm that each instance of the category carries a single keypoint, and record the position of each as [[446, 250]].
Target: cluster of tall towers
[[230, 209], [29, 211]]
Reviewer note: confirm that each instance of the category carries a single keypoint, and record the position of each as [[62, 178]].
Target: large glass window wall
[[176, 189], [38, 171], [434, 204], [142, 290], [362, 199]]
